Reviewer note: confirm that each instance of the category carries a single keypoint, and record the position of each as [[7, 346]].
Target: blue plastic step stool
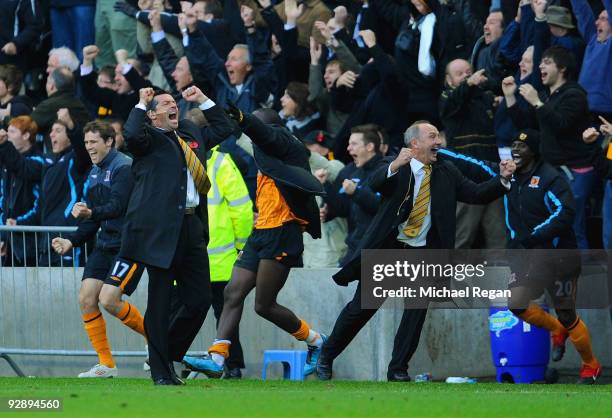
[[293, 363]]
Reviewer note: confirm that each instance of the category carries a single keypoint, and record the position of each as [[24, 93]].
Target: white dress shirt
[[193, 197], [418, 170]]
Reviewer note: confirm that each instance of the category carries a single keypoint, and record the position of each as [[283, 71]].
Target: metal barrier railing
[[30, 246], [39, 314]]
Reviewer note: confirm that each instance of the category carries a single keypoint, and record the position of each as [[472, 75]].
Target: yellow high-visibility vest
[[230, 214]]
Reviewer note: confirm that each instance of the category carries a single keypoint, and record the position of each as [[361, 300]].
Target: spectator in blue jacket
[[221, 25], [595, 76], [246, 78], [63, 185], [21, 168], [560, 30], [536, 23]]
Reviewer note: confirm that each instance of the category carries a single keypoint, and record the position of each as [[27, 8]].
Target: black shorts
[[557, 275], [283, 244], [99, 263], [125, 274]]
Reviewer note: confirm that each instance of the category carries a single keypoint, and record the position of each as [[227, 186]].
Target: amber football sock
[[307, 334], [579, 334], [131, 317], [219, 351], [95, 326], [537, 316]]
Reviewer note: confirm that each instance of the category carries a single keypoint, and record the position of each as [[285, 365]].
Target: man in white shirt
[[166, 223], [420, 196]]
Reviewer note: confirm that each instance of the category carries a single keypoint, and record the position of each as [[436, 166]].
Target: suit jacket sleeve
[[380, 183], [263, 67], [170, 24], [96, 94], [470, 192], [167, 60], [274, 141], [136, 80], [476, 170], [201, 53], [136, 134], [219, 129]]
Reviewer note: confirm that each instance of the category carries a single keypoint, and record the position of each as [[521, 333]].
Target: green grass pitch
[[115, 398]]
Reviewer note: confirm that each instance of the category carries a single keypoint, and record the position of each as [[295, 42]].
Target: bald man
[[466, 110]]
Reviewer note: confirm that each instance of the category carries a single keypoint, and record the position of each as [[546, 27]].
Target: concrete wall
[[38, 309]]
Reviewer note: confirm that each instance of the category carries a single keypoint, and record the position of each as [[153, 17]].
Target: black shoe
[[398, 377], [177, 380], [165, 381], [324, 367], [234, 373]]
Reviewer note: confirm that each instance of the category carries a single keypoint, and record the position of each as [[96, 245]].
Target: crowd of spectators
[[347, 77]]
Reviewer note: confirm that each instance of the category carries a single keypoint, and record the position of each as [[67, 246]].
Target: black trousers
[[236, 356], [171, 329], [352, 318]]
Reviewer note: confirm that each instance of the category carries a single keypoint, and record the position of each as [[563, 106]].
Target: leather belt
[[190, 211]]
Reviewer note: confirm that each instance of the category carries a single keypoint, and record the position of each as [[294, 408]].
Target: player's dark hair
[[564, 59], [101, 127]]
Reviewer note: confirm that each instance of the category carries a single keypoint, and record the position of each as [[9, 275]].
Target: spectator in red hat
[[320, 142]]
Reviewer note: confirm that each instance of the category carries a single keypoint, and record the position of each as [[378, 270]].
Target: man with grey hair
[[61, 91], [247, 78], [62, 57], [417, 211]]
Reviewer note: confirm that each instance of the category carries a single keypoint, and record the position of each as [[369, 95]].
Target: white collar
[[416, 166]]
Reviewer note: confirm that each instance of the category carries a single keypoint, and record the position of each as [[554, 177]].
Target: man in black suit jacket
[[166, 224], [399, 182]]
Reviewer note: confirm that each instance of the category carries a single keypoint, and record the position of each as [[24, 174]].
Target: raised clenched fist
[[194, 95], [64, 115], [146, 95], [369, 37], [61, 245], [90, 52], [509, 86]]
